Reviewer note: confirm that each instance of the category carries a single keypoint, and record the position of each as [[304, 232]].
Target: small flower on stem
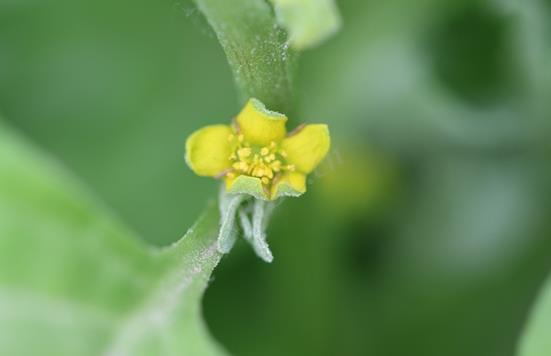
[[256, 157]]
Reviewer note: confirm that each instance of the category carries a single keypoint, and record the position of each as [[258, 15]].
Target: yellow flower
[[255, 155]]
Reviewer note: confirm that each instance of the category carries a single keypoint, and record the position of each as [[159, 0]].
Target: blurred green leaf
[[536, 340], [256, 49], [73, 281], [308, 22]]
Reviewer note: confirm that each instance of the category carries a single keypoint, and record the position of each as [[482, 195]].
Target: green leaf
[[309, 22], [536, 340], [73, 281], [256, 49]]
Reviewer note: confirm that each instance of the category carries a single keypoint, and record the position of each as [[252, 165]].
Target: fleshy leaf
[[246, 225], [258, 241], [309, 22], [73, 281], [228, 210]]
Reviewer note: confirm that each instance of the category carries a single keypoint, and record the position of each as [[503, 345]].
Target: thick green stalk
[[256, 48]]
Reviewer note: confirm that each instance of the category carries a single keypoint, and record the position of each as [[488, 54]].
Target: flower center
[[264, 162]]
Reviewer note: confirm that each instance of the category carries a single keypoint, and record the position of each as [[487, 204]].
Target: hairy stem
[[256, 49]]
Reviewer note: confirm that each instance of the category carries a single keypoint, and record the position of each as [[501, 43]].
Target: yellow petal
[[246, 185], [290, 184], [308, 147], [208, 150], [259, 125]]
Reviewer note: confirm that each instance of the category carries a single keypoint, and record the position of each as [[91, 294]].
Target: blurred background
[[425, 232]]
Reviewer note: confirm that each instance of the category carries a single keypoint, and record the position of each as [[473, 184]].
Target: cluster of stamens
[[265, 162]]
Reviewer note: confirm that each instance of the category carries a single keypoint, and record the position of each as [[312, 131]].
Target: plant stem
[[256, 49]]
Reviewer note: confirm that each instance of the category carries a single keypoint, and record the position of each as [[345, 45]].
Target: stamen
[[241, 166], [265, 163], [244, 152], [258, 172], [276, 166]]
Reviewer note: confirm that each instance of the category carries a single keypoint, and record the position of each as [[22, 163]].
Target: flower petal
[[308, 147], [208, 150], [259, 125], [290, 184], [246, 185]]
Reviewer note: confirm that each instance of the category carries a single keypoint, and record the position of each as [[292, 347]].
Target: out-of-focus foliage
[[111, 89], [535, 341], [308, 22], [75, 282], [452, 95], [105, 293], [451, 260]]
